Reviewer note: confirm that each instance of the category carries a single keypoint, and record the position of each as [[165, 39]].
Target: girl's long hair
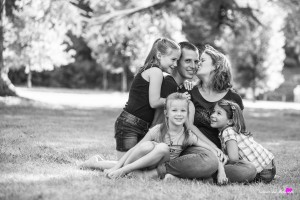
[[165, 126], [162, 45], [222, 77], [234, 113]]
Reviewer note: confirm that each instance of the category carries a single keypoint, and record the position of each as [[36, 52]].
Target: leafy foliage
[[122, 45], [38, 35], [256, 52], [114, 36], [292, 31]]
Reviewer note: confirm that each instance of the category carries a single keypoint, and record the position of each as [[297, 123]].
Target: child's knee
[[146, 147], [163, 148]]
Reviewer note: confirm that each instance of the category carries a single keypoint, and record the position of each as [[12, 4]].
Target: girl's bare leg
[[141, 150], [120, 154], [158, 155]]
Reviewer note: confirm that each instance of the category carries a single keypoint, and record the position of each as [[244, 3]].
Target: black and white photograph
[[149, 99]]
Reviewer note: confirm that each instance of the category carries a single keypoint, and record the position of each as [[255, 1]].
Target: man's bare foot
[[170, 177]]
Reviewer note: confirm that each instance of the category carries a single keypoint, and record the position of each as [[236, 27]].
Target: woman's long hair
[[234, 113], [222, 77], [165, 126], [162, 45]]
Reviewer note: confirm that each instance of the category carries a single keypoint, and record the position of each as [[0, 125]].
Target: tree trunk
[[254, 91], [6, 87], [124, 80], [104, 80], [29, 79]]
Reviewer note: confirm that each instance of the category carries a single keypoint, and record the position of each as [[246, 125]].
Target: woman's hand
[[188, 85]]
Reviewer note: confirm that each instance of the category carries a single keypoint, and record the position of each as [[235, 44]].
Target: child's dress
[[175, 143], [248, 149]]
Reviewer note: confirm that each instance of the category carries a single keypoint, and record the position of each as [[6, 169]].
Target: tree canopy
[[256, 35]]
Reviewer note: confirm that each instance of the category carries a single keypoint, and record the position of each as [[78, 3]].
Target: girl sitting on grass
[[162, 142], [237, 143]]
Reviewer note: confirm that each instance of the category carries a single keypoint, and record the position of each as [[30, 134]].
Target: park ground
[[42, 141]]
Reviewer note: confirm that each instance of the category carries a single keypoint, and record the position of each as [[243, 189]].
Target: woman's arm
[[201, 136], [232, 150], [155, 81], [200, 143], [195, 130]]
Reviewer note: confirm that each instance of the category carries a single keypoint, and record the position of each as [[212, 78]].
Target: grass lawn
[[40, 146]]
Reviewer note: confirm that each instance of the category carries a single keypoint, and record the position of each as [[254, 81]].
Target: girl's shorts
[[129, 130]]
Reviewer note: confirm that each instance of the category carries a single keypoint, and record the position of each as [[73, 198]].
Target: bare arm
[[199, 134], [232, 150], [155, 81], [200, 143]]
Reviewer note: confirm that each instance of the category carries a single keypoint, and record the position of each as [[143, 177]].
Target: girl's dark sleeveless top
[[204, 108], [138, 101]]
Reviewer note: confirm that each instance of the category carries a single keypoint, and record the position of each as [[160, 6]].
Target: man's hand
[[188, 85]]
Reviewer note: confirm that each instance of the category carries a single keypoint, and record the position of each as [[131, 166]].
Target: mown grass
[[39, 149]]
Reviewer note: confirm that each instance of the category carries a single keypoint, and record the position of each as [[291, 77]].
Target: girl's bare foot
[[119, 173], [90, 163]]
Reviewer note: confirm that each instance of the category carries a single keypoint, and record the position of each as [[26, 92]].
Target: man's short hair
[[188, 45]]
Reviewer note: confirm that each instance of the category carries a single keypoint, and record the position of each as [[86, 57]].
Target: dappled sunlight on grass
[[87, 99]]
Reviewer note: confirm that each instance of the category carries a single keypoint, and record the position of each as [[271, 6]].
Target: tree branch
[[109, 17], [106, 18]]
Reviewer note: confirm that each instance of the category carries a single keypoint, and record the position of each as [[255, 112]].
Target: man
[[194, 162]]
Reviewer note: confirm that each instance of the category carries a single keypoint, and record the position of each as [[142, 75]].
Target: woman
[[214, 73]]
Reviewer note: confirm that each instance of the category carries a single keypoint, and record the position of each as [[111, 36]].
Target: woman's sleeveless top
[[203, 110], [138, 101]]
